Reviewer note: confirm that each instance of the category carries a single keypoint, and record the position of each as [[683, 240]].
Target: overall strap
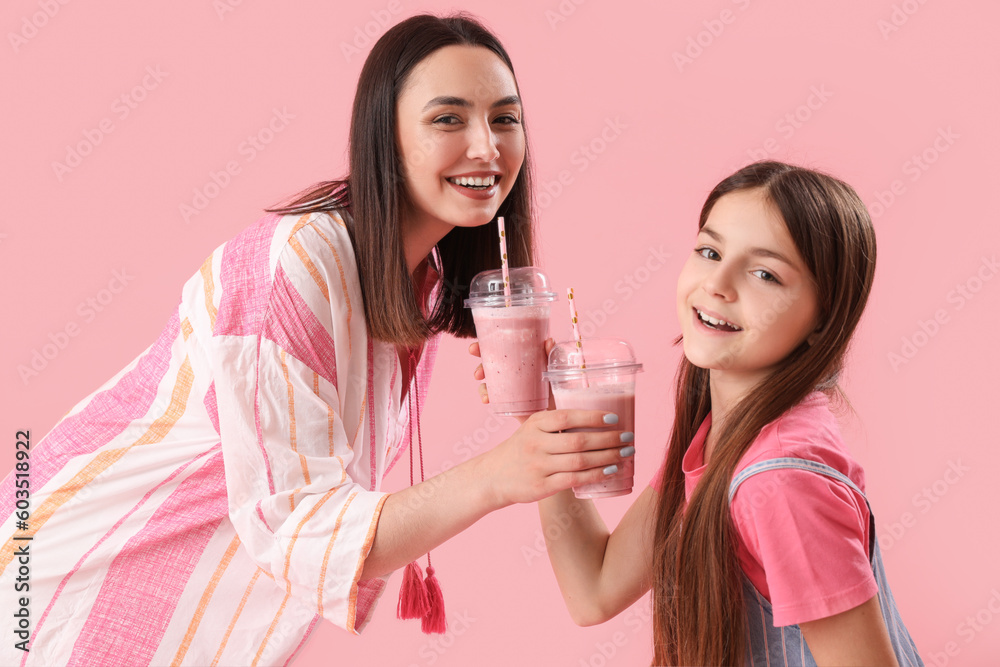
[[794, 463]]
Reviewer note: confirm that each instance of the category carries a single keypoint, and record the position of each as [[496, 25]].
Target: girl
[[221, 494], [756, 535]]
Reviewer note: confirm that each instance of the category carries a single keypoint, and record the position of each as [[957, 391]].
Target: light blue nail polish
[[626, 452], [627, 436], [611, 419], [611, 470]]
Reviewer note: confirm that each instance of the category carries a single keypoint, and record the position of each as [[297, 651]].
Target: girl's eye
[[708, 253], [766, 276]]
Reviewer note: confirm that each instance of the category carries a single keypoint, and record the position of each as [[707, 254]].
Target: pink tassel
[[413, 598], [433, 621]]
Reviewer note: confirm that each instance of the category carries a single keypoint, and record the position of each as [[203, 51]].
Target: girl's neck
[[725, 391]]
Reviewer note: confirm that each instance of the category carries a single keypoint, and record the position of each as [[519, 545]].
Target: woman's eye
[[508, 120], [707, 253], [447, 120], [766, 276]]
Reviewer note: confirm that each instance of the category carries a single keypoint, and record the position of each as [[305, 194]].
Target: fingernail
[[611, 470], [625, 452], [627, 436], [610, 419]]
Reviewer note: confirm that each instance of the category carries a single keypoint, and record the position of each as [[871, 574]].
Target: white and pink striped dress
[[216, 498]]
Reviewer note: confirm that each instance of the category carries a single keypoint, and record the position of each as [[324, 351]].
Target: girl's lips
[[488, 193]]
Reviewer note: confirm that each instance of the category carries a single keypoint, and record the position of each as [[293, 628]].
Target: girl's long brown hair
[[698, 610], [373, 196]]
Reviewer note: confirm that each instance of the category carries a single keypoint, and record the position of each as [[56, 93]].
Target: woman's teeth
[[717, 324], [474, 182]]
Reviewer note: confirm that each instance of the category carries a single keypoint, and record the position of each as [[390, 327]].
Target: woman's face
[[460, 136], [745, 271]]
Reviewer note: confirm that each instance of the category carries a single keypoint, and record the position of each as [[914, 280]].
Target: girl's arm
[[535, 462], [855, 637], [599, 573]]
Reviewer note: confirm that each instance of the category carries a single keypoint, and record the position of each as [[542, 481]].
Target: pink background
[[602, 75]]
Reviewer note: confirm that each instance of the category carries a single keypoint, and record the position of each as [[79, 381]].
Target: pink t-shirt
[[803, 537]]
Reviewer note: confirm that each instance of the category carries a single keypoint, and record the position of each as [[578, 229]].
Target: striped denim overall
[[768, 646]]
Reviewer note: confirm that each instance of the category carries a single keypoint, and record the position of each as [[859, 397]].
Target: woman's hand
[[538, 460], [480, 375]]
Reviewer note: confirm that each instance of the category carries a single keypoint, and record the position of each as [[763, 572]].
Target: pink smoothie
[[616, 398], [512, 345]]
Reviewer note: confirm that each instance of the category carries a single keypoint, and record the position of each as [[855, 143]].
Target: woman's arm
[[855, 637], [599, 573], [535, 462]]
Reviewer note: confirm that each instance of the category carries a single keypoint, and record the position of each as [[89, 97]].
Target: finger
[[576, 442], [479, 373], [588, 460], [549, 344], [560, 420], [483, 394], [474, 349]]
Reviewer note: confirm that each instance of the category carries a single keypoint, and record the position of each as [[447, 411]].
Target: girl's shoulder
[[807, 431]]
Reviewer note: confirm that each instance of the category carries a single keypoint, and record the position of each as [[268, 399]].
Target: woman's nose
[[482, 143]]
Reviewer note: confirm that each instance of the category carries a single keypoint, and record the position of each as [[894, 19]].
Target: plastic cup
[[512, 332], [607, 383]]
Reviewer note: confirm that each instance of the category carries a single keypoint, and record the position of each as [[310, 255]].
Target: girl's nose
[[482, 143], [719, 282]]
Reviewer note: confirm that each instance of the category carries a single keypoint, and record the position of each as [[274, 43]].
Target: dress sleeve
[[809, 535], [297, 511]]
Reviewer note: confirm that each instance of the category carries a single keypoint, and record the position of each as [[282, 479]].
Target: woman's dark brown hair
[[698, 610], [374, 200]]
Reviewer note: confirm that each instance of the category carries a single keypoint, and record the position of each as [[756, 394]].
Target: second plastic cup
[[606, 383], [512, 332]]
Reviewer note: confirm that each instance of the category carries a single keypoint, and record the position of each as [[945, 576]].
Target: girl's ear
[[815, 335]]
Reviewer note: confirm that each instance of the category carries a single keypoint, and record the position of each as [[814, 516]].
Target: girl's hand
[[538, 460], [480, 375]]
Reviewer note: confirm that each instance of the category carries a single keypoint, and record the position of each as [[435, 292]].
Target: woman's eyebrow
[[453, 101], [758, 252]]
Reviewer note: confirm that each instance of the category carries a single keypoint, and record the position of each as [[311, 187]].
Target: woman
[[215, 499]]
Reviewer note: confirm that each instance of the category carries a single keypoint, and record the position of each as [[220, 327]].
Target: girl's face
[[460, 136], [745, 274]]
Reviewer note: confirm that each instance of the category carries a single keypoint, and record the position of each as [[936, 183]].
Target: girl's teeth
[[715, 322]]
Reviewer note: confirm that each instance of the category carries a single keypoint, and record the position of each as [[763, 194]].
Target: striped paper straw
[[576, 328], [503, 262]]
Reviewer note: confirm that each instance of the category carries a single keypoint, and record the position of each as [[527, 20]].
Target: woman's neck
[[419, 238]]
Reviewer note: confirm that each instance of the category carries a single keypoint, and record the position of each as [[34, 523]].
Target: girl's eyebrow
[[452, 101], [756, 251]]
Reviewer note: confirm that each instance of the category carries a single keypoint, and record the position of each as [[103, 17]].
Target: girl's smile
[[745, 298]]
